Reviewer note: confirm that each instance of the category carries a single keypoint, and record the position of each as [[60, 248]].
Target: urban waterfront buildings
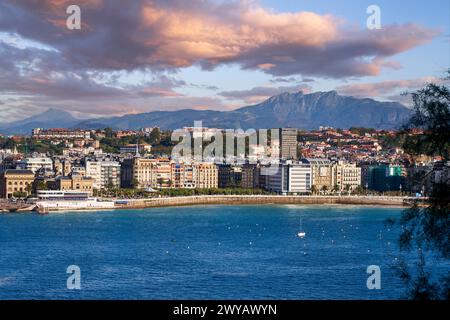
[[164, 173], [334, 161]]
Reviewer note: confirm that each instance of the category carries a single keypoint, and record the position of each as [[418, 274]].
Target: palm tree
[[335, 188], [348, 188]]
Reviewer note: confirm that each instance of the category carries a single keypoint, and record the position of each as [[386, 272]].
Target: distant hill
[[304, 111], [52, 118]]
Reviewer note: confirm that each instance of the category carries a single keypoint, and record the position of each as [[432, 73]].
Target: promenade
[[262, 200]]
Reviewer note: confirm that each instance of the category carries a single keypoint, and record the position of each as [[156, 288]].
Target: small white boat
[[301, 233]]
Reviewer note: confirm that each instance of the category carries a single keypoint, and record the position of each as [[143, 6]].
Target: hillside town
[[128, 163]]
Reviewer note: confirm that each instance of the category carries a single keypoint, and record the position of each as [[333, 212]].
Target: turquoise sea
[[201, 252]]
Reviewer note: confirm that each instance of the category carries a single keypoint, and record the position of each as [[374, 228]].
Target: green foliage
[[389, 141], [426, 226], [29, 145], [41, 185], [432, 115], [211, 191], [20, 194]]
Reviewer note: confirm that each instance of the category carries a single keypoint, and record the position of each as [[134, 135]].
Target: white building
[[104, 173], [34, 164], [291, 178]]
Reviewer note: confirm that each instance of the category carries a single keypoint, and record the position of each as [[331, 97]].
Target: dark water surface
[[201, 252]]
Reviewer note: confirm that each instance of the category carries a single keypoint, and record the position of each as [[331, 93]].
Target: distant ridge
[[52, 118], [304, 111]]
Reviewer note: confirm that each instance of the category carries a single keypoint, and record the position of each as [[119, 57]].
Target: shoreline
[[226, 200], [261, 200]]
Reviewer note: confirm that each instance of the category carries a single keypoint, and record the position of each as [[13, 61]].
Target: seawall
[[261, 200]]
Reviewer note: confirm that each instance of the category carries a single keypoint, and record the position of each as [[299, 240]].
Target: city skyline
[[214, 55]]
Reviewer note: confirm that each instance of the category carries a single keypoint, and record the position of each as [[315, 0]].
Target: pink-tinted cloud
[[161, 36], [174, 34], [387, 90]]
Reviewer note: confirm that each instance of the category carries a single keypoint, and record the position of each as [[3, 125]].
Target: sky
[[145, 55]]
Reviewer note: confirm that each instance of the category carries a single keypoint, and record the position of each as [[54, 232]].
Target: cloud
[[291, 80], [259, 94], [91, 70], [387, 90], [174, 34]]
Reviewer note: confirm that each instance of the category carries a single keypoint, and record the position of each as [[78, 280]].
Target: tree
[[313, 189], [19, 194], [41, 185], [135, 183], [426, 229], [359, 190], [109, 133], [348, 188], [324, 189], [335, 188], [160, 182], [155, 136], [111, 185]]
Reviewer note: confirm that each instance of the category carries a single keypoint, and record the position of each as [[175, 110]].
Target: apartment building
[[154, 173], [183, 175], [346, 176], [103, 173], [207, 175]]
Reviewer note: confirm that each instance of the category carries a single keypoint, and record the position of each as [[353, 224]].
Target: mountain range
[[303, 111]]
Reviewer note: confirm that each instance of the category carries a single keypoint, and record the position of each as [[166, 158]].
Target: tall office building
[[288, 143]]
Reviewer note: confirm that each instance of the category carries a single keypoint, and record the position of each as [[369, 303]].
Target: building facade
[[13, 181], [34, 164], [322, 173], [291, 178], [207, 176], [72, 183], [60, 134], [346, 176], [103, 173], [288, 143]]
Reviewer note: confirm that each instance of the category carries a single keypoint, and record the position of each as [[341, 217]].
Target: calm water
[[202, 252]]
